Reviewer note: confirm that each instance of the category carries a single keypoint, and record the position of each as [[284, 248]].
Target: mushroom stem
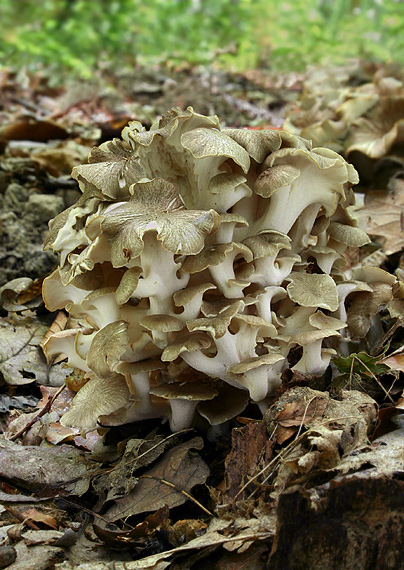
[[182, 413], [313, 360], [159, 280]]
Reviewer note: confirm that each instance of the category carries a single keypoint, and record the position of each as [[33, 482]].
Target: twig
[[41, 413], [187, 495], [375, 378], [110, 469], [19, 516]]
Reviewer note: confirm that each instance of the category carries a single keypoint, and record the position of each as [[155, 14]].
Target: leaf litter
[[137, 496]]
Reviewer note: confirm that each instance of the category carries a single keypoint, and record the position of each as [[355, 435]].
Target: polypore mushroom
[[186, 267]]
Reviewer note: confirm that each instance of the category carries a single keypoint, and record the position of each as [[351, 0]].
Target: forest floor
[[318, 482]]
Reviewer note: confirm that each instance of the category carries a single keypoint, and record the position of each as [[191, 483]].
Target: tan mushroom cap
[[193, 391], [214, 305], [141, 366], [214, 255], [349, 235], [155, 205], [325, 256], [371, 275], [232, 218], [313, 290], [268, 243], [107, 347], [191, 343], [90, 301], [127, 285], [251, 364], [364, 305], [98, 397], [90, 280], [113, 168], [225, 181], [323, 321], [275, 178], [183, 399], [229, 403], [266, 329], [185, 296], [260, 144], [217, 325], [308, 337], [161, 323], [204, 142]]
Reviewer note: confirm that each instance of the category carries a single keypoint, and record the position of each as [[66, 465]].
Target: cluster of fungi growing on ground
[[198, 265]]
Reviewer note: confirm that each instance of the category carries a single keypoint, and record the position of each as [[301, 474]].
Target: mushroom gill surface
[[187, 270]]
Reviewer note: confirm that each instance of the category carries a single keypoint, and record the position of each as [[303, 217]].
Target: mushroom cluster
[[194, 262], [366, 119]]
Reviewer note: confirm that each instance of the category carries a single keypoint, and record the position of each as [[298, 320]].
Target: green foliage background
[[79, 34]]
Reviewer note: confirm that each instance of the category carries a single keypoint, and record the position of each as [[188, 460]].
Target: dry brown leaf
[[382, 217], [36, 516], [21, 360], [395, 361], [50, 471], [299, 412], [169, 482], [250, 449], [142, 530]]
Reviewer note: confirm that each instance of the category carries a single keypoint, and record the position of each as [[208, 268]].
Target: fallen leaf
[[169, 482], [250, 451], [251, 530], [8, 403], [34, 131], [142, 530], [36, 516], [51, 471], [395, 360], [21, 360], [381, 217], [138, 454], [301, 412]]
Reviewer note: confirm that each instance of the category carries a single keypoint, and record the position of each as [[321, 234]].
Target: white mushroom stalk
[[195, 261]]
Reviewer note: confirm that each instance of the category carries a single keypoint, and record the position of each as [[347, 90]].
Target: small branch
[[39, 415]]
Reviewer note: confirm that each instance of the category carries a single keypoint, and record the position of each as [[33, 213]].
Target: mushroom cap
[[161, 323], [225, 181], [252, 363], [127, 285], [259, 144], [191, 343], [203, 142], [113, 168], [370, 275], [217, 325], [266, 329], [272, 179], [193, 391], [141, 366], [349, 235], [313, 290], [184, 296], [98, 397], [155, 205], [268, 243], [214, 255], [107, 347], [227, 405], [232, 218]]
